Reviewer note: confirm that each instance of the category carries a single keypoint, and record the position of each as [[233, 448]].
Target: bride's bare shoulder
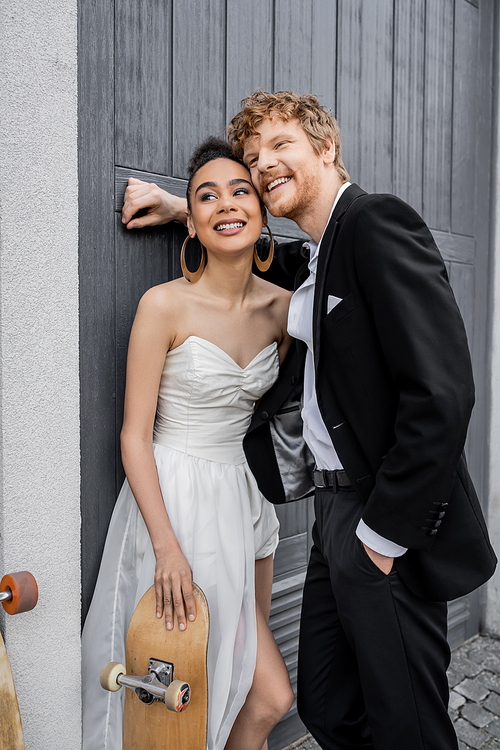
[[164, 297]]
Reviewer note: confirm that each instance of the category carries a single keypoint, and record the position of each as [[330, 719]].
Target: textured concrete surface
[[474, 678], [39, 378], [493, 589]]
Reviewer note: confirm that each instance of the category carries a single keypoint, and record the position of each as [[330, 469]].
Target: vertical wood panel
[[408, 130], [364, 95], [97, 282], [284, 622], [462, 282], [483, 178], [143, 259], [143, 85], [324, 53], [464, 118], [438, 114], [292, 517], [199, 83], [293, 46], [250, 45], [293, 55], [293, 551]]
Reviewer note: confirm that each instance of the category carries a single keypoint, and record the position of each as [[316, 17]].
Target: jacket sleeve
[[422, 336]]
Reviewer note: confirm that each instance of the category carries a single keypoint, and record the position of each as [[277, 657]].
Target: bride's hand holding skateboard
[[174, 590]]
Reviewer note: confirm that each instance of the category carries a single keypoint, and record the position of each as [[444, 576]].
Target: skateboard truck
[[159, 677], [157, 685]]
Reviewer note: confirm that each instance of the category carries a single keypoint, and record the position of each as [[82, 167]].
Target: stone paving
[[474, 677]]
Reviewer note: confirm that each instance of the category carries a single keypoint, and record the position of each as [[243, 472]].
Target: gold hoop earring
[[263, 265], [192, 276]]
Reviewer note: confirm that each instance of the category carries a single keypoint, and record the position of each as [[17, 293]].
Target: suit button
[[265, 415], [432, 532], [437, 524], [294, 380]]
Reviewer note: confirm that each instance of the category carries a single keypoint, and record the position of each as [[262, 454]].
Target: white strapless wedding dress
[[221, 520]]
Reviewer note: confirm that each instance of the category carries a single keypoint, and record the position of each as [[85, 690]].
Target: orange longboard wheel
[[177, 696], [110, 674], [24, 590]]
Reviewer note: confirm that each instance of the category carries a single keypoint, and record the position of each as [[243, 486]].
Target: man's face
[[286, 171]]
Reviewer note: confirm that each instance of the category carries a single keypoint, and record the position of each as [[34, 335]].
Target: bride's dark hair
[[211, 149]]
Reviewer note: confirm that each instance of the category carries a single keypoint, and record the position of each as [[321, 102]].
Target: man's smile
[[276, 182]]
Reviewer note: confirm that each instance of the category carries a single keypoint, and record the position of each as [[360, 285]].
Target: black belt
[[330, 479]]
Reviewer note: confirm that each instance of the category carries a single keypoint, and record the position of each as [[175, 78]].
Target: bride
[[203, 349]]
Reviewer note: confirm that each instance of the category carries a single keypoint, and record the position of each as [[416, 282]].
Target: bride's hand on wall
[[162, 206], [174, 590]]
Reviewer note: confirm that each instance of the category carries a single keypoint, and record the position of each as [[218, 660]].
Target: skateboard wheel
[[24, 592], [110, 674], [177, 696]]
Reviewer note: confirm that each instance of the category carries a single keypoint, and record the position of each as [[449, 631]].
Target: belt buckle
[[319, 476]]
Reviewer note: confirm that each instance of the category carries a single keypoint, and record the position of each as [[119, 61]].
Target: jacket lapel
[[341, 433], [325, 254]]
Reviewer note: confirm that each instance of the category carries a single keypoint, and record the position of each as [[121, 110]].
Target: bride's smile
[[226, 213]]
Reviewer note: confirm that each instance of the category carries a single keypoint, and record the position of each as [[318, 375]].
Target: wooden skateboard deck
[[11, 730], [154, 727], [18, 593]]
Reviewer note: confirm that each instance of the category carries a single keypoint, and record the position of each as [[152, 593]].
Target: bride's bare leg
[[271, 695]]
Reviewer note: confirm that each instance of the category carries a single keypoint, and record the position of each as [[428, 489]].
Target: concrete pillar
[[39, 380], [492, 621]]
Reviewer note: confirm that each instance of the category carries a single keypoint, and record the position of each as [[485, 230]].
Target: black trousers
[[372, 655]]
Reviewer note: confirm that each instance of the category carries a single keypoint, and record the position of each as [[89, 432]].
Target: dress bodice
[[206, 400]]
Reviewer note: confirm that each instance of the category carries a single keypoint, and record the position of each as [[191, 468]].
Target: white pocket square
[[332, 302]]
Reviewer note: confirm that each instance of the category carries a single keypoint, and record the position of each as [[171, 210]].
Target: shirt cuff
[[378, 543]]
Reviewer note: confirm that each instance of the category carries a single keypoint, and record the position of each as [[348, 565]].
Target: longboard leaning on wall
[[18, 593]]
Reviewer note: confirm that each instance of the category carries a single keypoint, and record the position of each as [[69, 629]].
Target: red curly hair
[[317, 122]]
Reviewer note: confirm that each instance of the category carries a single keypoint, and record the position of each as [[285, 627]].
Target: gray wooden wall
[[410, 83]]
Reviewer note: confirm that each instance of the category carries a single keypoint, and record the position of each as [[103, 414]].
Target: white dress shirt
[[300, 326]]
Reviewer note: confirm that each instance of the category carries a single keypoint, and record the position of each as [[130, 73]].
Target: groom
[[388, 393]]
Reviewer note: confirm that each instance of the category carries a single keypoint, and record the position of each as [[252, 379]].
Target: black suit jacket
[[395, 390]]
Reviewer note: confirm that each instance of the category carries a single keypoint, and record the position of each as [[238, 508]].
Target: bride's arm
[[150, 340]]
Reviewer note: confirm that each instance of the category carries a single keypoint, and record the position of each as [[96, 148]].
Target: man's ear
[[328, 154]]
